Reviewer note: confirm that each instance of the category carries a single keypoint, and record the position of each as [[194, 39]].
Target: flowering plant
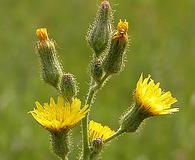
[[109, 47]]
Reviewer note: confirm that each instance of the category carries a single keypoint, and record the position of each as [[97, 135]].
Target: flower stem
[[89, 100], [94, 156], [115, 135], [86, 150]]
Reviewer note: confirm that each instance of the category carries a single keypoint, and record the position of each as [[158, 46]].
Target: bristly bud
[[96, 148], [132, 119], [99, 34], [68, 86], [50, 65], [60, 144], [114, 60], [97, 70], [97, 145]]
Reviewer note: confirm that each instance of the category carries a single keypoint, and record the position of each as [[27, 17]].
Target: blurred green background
[[162, 34]]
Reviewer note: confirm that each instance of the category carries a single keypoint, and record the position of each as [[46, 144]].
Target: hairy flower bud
[[96, 148], [100, 33], [50, 65], [68, 86], [97, 145], [97, 70], [114, 61]]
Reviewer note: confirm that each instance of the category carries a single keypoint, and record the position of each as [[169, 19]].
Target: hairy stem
[[115, 135], [89, 100], [94, 156]]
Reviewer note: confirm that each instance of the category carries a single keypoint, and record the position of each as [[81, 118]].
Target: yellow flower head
[[96, 130], [122, 30], [59, 116], [150, 97], [42, 34]]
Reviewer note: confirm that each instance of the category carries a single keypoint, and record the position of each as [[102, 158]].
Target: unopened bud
[[68, 86], [50, 65], [97, 145], [132, 119], [96, 148], [99, 34], [114, 60], [60, 144], [97, 70]]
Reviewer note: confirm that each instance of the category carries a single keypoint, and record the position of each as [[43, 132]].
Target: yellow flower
[[61, 116], [42, 34], [122, 30], [97, 131], [150, 97]]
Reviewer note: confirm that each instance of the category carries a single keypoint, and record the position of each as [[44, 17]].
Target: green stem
[[94, 156], [92, 91], [86, 150], [116, 134]]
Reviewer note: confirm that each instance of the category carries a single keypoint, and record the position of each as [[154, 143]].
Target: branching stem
[[93, 89]]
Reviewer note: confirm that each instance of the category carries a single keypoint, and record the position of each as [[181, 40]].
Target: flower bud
[[100, 33], [96, 70], [60, 144], [114, 61], [50, 65], [96, 148], [97, 145], [68, 86]]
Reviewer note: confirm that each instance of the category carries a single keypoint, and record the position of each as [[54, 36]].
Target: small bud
[[60, 144], [96, 148], [97, 145], [97, 70], [50, 65], [68, 86], [114, 60], [100, 33]]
